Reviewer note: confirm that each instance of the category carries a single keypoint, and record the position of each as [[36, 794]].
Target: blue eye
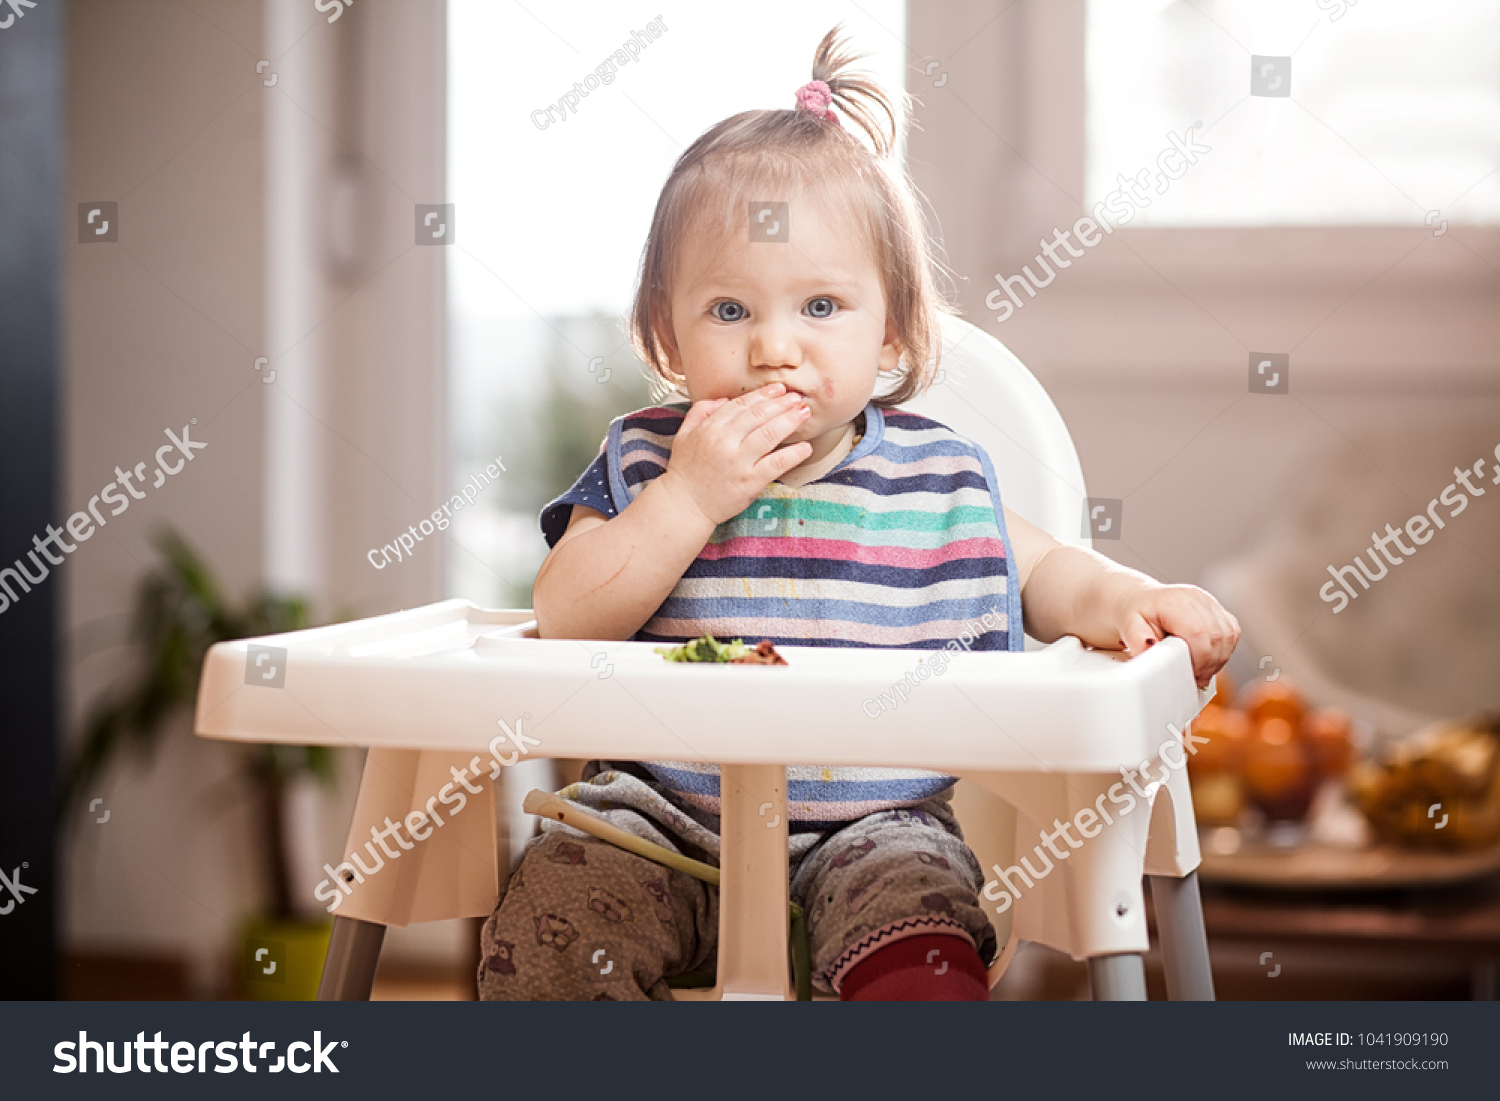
[[728, 311], [821, 307]]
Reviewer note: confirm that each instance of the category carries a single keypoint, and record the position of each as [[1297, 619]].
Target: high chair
[[1039, 739]]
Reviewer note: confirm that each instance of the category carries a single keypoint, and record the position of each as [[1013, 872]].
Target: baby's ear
[[890, 351]]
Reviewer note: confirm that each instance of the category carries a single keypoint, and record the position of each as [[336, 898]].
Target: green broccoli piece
[[706, 648]]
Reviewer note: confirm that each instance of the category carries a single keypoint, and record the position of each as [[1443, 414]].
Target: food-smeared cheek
[[826, 390]]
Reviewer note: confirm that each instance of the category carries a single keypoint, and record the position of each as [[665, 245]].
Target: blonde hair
[[766, 153]]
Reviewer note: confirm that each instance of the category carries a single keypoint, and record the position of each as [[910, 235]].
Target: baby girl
[[787, 270]]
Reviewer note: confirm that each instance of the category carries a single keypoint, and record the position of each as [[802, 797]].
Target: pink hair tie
[[815, 96]]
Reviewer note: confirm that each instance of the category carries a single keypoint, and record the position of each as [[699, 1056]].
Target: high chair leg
[[353, 955], [753, 893], [1184, 944], [1119, 978]]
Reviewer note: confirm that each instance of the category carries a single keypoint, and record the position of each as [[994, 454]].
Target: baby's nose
[[772, 345]]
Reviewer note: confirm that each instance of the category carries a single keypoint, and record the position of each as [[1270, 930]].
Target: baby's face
[[808, 312]]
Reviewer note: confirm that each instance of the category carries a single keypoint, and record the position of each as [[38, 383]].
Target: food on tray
[[1439, 789], [709, 649], [763, 654]]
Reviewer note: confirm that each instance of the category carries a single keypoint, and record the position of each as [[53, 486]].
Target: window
[[551, 217], [1393, 112]]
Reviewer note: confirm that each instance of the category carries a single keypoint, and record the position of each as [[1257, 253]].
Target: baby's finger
[[779, 422], [751, 404], [751, 398], [748, 413], [1226, 638], [1195, 626], [1207, 646], [1222, 634], [778, 462], [760, 404], [699, 412], [1138, 635]]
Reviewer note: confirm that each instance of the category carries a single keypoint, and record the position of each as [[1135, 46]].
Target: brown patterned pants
[[583, 920]]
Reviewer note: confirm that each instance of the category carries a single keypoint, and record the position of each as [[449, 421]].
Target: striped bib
[[901, 545]]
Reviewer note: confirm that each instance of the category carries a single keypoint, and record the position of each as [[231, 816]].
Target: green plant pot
[[282, 961]]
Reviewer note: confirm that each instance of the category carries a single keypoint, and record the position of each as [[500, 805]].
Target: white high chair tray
[[443, 676], [431, 690]]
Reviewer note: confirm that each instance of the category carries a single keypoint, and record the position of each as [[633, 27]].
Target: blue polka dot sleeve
[[592, 490]]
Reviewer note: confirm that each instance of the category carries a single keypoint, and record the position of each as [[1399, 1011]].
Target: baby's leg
[[583, 920], [888, 879]]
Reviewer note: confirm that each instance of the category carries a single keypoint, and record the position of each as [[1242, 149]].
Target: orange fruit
[[1223, 689], [1224, 751], [1274, 700], [1328, 733], [1275, 731], [1278, 770]]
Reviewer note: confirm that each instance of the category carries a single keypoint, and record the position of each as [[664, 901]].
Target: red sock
[[932, 967]]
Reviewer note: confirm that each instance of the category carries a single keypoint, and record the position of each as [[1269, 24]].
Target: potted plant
[[179, 613]]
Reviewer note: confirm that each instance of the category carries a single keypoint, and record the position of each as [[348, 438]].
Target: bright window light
[[1393, 109]]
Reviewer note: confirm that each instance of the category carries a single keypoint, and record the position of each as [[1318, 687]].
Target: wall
[[1144, 345], [230, 192]]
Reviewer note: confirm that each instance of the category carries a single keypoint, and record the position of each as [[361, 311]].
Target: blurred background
[[338, 243]]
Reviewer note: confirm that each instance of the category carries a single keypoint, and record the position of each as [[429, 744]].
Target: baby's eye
[[728, 311], [821, 307]]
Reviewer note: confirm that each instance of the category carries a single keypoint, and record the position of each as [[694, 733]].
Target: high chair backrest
[[985, 393]]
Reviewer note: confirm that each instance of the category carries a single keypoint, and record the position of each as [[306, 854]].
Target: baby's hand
[[1152, 613], [725, 453]]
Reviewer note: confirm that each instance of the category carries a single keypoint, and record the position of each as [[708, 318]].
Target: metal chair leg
[[353, 955], [1120, 978], [1184, 944]]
